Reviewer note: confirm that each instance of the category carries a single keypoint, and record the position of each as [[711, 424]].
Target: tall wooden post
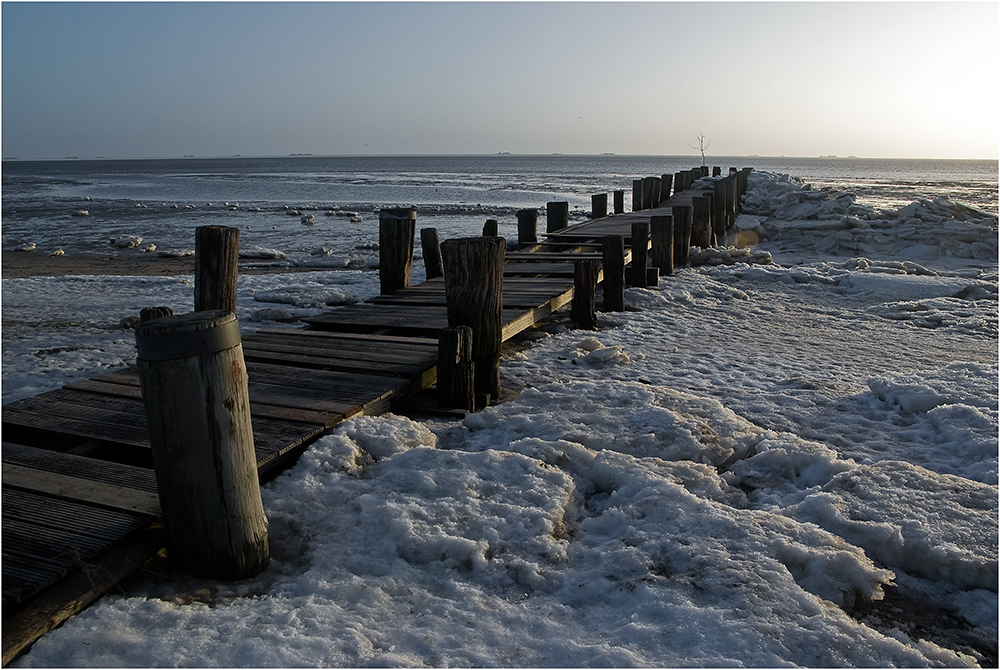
[[701, 226], [491, 228], [527, 227], [637, 204], [666, 186], [679, 182], [619, 198], [431, 250], [661, 238], [473, 280], [396, 233], [719, 209], [648, 188], [613, 259], [716, 171], [194, 388], [683, 215], [583, 313], [216, 258], [599, 205], [640, 254], [730, 201], [557, 216], [456, 371]]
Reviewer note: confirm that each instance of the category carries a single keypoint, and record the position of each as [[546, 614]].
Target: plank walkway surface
[[80, 508]]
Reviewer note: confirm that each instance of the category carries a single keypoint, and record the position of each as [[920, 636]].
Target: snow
[[719, 476]]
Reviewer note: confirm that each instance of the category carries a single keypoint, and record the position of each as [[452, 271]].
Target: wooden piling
[[583, 312], [194, 388], [619, 199], [557, 214], [396, 233], [640, 254], [683, 215], [613, 259], [701, 223], [661, 238], [666, 187], [637, 204], [716, 171], [491, 228], [599, 205], [527, 227], [680, 182], [456, 371], [473, 279], [431, 250], [719, 209], [216, 258], [650, 192]]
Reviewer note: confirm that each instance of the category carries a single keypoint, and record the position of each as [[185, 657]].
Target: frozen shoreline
[[721, 475]]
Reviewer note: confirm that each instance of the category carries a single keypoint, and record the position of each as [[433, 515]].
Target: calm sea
[[164, 200]]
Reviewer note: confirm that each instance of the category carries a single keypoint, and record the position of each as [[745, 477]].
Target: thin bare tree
[[703, 144]]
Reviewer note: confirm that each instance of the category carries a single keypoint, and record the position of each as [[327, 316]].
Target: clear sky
[[121, 79]]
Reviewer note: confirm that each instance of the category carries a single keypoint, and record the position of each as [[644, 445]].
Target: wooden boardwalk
[[80, 508]]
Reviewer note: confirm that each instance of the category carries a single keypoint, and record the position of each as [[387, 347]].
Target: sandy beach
[[21, 264]]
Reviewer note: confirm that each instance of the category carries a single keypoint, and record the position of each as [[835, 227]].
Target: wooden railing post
[[599, 205], [456, 372], [640, 254], [613, 259], [661, 237], [396, 233], [583, 313], [527, 227], [557, 216], [431, 250], [473, 280], [637, 204], [683, 215], [619, 198], [216, 258], [194, 388]]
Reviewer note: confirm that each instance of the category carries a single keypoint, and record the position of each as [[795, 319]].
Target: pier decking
[[80, 508]]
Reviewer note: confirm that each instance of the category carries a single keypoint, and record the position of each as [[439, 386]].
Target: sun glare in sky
[[895, 79]]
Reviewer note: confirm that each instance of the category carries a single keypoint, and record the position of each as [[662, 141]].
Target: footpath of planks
[[80, 505]]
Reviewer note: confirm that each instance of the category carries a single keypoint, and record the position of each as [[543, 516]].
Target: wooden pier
[[80, 504]]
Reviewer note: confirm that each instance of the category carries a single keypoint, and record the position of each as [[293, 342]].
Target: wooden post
[[194, 388], [396, 232], [456, 372], [683, 215], [150, 313], [637, 195], [490, 228], [431, 250], [613, 259], [716, 171], [731, 201], [710, 197], [661, 237], [599, 205], [619, 198], [216, 256], [582, 312], [640, 253], [473, 281], [557, 216], [527, 227], [701, 226], [647, 192], [679, 182], [719, 209], [666, 185]]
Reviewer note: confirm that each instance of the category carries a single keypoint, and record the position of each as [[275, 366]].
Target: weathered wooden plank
[[118, 474], [342, 349], [98, 493]]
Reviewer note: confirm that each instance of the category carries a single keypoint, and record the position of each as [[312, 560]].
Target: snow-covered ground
[[732, 472]]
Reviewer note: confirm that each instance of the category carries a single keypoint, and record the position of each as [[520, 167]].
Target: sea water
[[84, 205]]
